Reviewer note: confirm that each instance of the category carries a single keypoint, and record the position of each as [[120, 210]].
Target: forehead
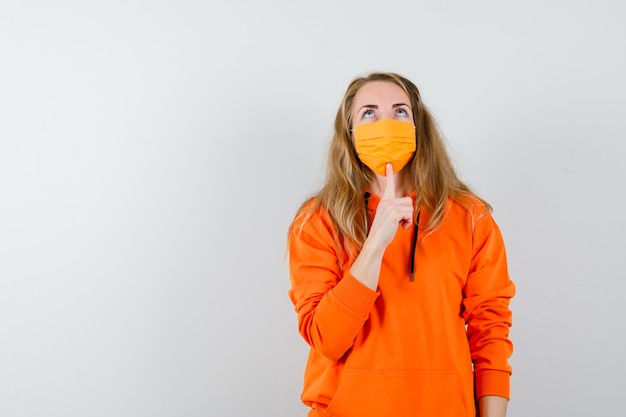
[[380, 93]]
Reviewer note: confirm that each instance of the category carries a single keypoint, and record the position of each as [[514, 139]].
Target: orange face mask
[[385, 141]]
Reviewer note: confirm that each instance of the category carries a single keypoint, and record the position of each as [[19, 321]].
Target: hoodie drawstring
[[416, 226], [366, 196]]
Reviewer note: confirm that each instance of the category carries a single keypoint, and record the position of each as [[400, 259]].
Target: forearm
[[492, 406], [331, 322], [366, 267]]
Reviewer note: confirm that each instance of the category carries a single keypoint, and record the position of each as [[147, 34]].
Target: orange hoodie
[[412, 348]]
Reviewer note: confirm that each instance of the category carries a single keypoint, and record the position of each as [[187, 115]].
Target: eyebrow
[[374, 106]]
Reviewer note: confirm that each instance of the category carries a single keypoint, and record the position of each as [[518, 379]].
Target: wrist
[[492, 406], [366, 266]]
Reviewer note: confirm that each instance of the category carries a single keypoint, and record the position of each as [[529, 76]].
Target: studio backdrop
[[154, 153]]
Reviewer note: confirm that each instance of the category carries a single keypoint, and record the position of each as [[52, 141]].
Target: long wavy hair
[[431, 171]]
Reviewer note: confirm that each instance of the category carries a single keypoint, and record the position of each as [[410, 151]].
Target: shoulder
[[469, 209], [312, 235], [311, 218]]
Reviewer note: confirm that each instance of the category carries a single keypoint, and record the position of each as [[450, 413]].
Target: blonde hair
[[431, 171]]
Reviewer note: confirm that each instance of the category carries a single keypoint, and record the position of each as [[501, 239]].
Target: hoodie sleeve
[[487, 294], [331, 304]]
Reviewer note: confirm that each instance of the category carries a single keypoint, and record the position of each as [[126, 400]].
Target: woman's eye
[[401, 112], [367, 114]]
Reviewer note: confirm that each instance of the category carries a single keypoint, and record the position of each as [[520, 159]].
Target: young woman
[[398, 271]]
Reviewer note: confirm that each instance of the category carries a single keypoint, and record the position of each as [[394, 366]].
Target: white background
[[153, 154]]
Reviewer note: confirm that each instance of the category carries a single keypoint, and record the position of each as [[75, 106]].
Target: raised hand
[[392, 213]]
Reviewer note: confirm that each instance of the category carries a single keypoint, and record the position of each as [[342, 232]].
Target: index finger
[[390, 185]]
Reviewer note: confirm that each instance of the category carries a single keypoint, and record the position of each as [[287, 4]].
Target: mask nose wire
[[354, 130]]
